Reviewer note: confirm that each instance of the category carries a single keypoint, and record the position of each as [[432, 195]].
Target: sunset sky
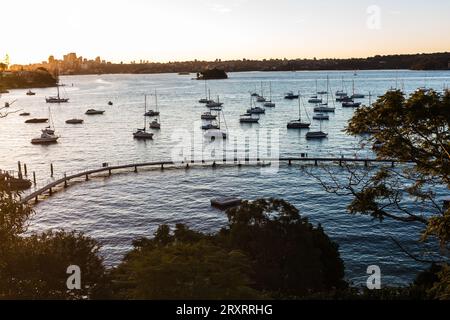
[[163, 30]]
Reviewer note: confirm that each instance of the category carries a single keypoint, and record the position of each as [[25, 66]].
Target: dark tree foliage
[[36, 267], [414, 130], [289, 255], [266, 250], [167, 267]]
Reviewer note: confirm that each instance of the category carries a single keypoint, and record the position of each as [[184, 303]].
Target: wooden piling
[[51, 170], [19, 166], [25, 169], [34, 178]]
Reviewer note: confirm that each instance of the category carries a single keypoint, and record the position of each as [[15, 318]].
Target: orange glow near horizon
[[176, 30]]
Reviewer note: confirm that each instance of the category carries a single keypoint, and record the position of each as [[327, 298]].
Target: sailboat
[[298, 124], [206, 99], [316, 134], [142, 134], [315, 98], [290, 96], [216, 132], [261, 98], [323, 107], [323, 92], [269, 104], [57, 98], [153, 113], [214, 104], [248, 117], [47, 134], [341, 93], [208, 116], [356, 95]]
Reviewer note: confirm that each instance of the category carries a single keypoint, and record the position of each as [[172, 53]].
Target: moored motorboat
[[74, 121], [94, 112], [30, 93], [36, 120]]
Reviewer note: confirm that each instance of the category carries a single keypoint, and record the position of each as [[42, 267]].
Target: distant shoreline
[[74, 65]]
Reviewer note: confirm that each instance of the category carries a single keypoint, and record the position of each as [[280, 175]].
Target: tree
[[34, 267], [289, 255], [414, 130], [182, 270]]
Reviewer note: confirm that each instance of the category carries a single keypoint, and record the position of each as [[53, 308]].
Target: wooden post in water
[[51, 170], [315, 162], [25, 169], [65, 180], [135, 169], [20, 169], [34, 177], [87, 177], [162, 166]]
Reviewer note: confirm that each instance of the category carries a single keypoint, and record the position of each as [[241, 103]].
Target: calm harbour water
[[118, 209]]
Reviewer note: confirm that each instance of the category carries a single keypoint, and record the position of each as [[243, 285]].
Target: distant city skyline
[[176, 30]]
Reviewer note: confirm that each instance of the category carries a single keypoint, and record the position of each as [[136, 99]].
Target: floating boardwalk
[[238, 162]]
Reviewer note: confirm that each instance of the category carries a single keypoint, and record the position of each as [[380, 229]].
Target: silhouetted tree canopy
[[266, 248]]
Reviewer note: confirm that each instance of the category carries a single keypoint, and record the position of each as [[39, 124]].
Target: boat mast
[[156, 101], [299, 108], [206, 91], [270, 91], [328, 88], [145, 111]]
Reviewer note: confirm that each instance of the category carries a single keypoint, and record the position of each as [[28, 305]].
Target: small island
[[39, 78], [212, 74]]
